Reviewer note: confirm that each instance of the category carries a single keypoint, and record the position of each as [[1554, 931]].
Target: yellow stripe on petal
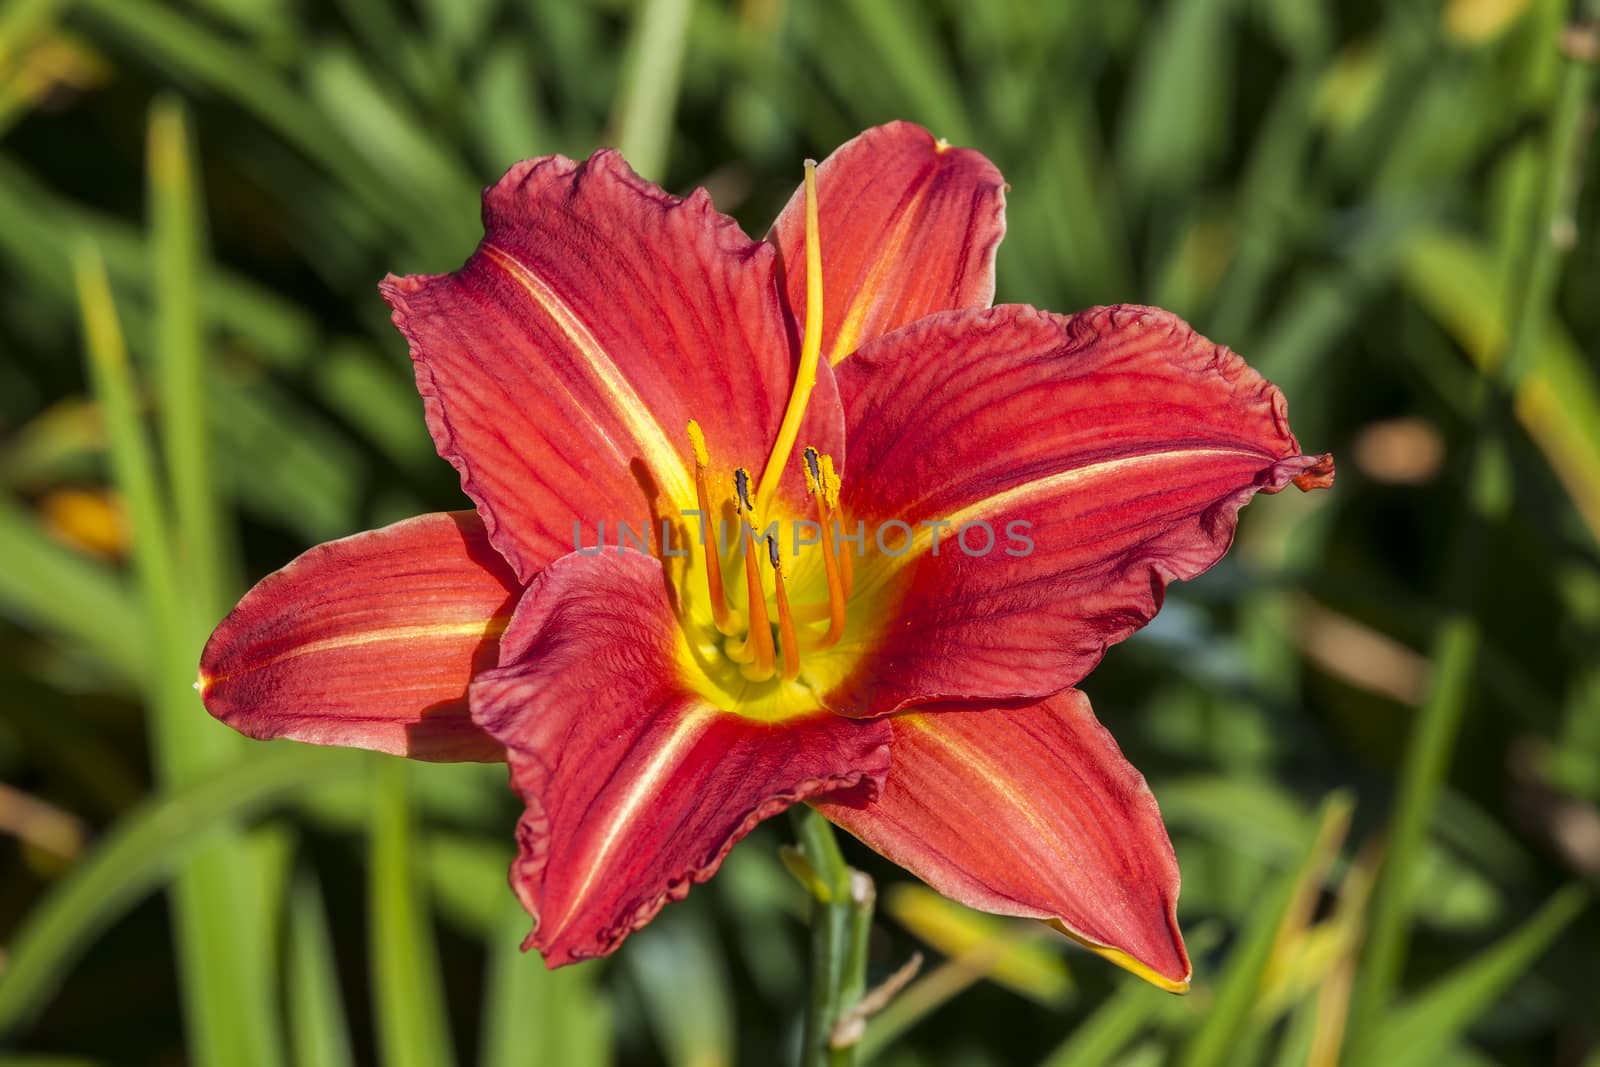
[[494, 626], [653, 440], [998, 504], [641, 790]]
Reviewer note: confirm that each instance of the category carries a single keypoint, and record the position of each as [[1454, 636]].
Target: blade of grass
[[1557, 398], [44, 584], [226, 985], [145, 848], [1228, 1023], [171, 39], [912, 60], [932, 991], [683, 987], [408, 998], [651, 75], [277, 330], [1421, 779], [1175, 121], [508, 119], [317, 1029], [1119, 1019], [1031, 965], [21, 23], [533, 1016], [1419, 1030], [1458, 640], [177, 241]]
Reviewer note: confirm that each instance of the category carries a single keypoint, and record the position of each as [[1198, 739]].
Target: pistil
[[810, 350]]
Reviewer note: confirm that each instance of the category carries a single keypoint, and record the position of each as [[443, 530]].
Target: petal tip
[[1319, 475], [1170, 980]]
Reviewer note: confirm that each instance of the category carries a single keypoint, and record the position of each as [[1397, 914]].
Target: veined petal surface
[[635, 788], [1105, 454], [368, 642], [909, 226], [1031, 811], [560, 366]]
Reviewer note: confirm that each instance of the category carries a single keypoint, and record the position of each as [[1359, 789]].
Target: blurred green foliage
[[1374, 730]]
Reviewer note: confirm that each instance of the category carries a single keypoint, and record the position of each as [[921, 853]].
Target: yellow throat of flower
[[769, 643]]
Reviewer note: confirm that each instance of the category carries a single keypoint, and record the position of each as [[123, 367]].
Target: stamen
[[830, 560], [830, 491], [758, 643], [791, 649], [810, 349], [719, 600]]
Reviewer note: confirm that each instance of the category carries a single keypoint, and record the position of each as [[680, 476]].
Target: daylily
[[611, 354]]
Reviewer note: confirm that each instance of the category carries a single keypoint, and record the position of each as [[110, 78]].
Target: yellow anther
[[697, 441], [830, 483]]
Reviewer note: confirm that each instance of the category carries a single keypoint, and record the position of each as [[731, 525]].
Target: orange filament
[[791, 649], [757, 645], [719, 600], [810, 350], [830, 560], [830, 494]]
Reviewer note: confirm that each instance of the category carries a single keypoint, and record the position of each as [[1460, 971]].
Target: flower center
[[757, 644], [746, 637]]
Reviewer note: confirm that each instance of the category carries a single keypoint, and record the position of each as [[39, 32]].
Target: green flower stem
[[841, 916]]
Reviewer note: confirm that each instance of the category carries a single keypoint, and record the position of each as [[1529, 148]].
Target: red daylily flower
[[1024, 485]]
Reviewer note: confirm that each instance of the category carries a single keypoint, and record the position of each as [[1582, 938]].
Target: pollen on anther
[[741, 489], [830, 483], [697, 441], [813, 471]]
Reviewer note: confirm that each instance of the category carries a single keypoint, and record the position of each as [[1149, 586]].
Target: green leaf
[[533, 1016], [1123, 1016], [684, 986], [1422, 1027], [648, 87], [1427, 761], [46, 585], [317, 1030], [1175, 122], [146, 847], [408, 994], [1228, 1022], [177, 224], [227, 984]]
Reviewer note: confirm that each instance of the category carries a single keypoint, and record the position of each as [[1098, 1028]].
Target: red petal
[[1127, 441], [369, 641], [1032, 811], [635, 788], [908, 226], [559, 367]]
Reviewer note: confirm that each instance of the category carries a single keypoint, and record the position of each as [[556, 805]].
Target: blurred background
[[1374, 729]]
